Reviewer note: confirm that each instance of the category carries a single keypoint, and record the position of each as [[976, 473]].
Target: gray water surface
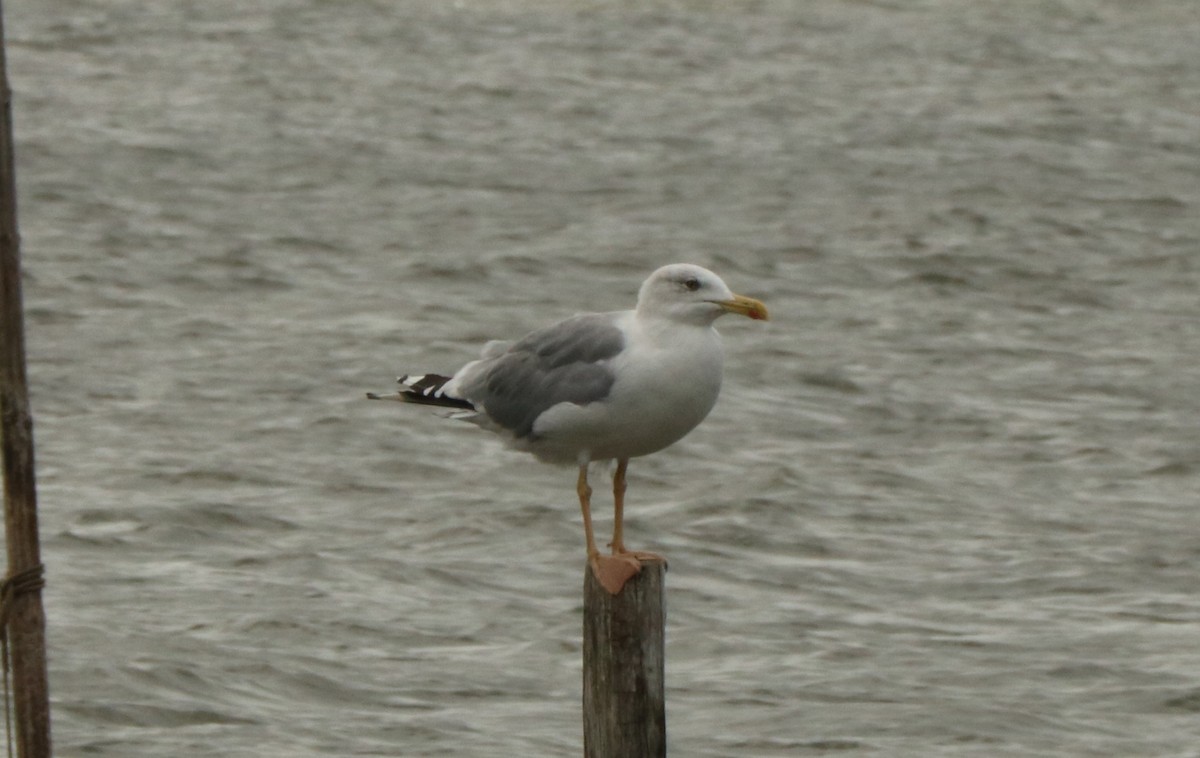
[[946, 506]]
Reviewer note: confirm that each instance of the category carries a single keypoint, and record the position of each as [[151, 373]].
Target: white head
[[691, 294]]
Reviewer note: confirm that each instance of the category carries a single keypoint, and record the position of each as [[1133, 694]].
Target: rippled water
[[946, 505]]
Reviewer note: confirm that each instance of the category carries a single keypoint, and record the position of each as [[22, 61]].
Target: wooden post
[[26, 619], [624, 710]]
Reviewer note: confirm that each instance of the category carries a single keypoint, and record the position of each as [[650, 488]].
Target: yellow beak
[[745, 306]]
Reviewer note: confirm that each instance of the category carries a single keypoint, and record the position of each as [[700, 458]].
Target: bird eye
[[691, 284]]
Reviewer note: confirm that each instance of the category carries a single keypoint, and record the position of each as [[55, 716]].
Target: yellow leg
[[585, 504], [612, 571], [618, 540]]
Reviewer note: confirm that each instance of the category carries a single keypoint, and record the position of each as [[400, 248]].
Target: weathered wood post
[[25, 618], [624, 708]]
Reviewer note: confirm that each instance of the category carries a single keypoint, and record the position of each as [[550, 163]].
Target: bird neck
[[668, 327]]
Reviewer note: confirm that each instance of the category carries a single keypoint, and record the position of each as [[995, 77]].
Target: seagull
[[600, 387]]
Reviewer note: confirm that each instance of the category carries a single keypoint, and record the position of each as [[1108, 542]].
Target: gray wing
[[564, 363]]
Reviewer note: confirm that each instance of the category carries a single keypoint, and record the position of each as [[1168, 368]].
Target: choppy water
[[947, 504]]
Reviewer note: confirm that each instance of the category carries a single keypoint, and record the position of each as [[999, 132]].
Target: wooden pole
[[624, 710], [26, 619]]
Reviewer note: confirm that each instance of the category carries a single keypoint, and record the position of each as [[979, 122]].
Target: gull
[[600, 387]]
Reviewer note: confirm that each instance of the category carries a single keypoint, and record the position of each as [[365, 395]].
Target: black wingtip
[[439, 400]]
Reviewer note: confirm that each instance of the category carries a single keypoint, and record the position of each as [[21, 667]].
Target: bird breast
[[665, 391]]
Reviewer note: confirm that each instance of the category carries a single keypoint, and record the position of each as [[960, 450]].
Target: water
[[945, 506]]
